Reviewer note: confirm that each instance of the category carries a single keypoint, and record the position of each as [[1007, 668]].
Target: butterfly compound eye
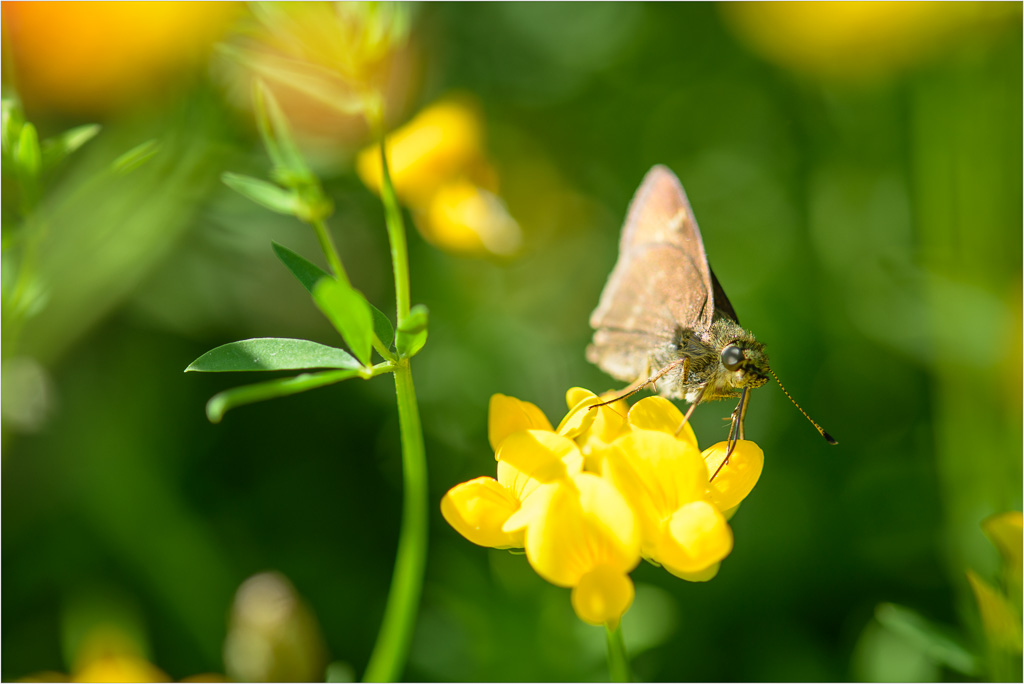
[[732, 357]]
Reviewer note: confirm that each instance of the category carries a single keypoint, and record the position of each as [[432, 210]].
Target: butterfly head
[[744, 363]]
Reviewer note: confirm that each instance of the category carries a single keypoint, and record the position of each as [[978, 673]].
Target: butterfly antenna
[[828, 438]]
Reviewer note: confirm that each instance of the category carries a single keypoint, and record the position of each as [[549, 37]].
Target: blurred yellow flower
[[440, 171], [95, 58], [331, 65], [1000, 608], [608, 486], [463, 218], [999, 619], [856, 40], [1006, 531], [107, 654], [442, 143]]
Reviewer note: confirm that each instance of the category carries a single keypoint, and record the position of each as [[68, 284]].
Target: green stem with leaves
[[392, 648], [618, 662]]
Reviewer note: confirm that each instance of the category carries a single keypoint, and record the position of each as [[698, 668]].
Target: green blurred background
[[856, 172]]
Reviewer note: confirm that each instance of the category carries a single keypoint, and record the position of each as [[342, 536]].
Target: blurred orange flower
[[94, 58]]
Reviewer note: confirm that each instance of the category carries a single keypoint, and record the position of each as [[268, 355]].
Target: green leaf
[[28, 156], [306, 271], [382, 327], [349, 312], [11, 122], [56, 150], [309, 274], [224, 401], [412, 331], [263, 193], [135, 157], [270, 354], [937, 642], [290, 166]]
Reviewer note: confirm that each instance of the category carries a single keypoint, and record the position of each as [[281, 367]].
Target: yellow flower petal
[[586, 523], [508, 414], [540, 455], [579, 419], [737, 478], [593, 429], [658, 413], [704, 575], [534, 504], [477, 510], [577, 394], [697, 537], [671, 471], [603, 596]]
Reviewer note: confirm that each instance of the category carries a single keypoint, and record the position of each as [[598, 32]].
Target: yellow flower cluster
[[440, 171], [609, 486]]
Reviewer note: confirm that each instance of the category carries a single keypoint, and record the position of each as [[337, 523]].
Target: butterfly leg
[[735, 430], [640, 384]]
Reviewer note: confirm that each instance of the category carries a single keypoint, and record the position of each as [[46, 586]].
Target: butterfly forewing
[[660, 283]]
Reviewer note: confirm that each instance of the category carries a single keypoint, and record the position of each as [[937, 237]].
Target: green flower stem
[[330, 251], [392, 648], [618, 663], [396, 236]]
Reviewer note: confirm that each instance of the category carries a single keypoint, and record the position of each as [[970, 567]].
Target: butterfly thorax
[[720, 362]]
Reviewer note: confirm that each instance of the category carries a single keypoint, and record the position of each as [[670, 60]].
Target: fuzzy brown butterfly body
[[663, 318]]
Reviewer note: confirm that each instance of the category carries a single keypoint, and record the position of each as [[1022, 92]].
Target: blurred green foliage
[[868, 231]]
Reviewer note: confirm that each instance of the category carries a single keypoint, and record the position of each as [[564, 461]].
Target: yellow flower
[[857, 40], [440, 171], [608, 486], [480, 509], [585, 536]]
